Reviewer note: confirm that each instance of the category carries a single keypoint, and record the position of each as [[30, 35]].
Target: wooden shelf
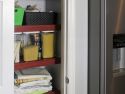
[[54, 92], [29, 28], [31, 64]]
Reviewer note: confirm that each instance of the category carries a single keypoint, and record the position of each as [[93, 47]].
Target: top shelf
[[29, 28]]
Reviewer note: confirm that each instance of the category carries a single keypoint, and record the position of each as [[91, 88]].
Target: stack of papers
[[33, 81]]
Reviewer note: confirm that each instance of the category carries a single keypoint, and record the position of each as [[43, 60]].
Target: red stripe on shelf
[[28, 28], [30, 64]]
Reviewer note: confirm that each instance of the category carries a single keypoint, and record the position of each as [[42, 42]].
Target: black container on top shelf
[[40, 18]]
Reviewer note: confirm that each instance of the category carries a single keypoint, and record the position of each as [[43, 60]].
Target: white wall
[[40, 4]]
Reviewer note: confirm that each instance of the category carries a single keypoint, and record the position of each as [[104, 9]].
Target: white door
[[6, 46], [77, 46]]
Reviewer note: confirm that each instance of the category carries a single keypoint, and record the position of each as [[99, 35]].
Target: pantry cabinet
[[69, 64]]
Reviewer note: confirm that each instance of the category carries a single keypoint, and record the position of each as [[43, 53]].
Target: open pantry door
[[6, 46], [77, 46]]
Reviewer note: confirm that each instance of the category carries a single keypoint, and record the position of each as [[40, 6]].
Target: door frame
[[76, 44], [7, 40], [100, 48], [106, 50], [94, 46]]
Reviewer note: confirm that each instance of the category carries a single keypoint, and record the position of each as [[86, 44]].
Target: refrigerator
[[70, 69], [106, 47]]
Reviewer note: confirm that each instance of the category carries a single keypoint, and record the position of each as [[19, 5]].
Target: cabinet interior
[[53, 68]]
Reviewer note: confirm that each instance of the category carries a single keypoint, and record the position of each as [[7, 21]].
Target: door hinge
[[67, 80]]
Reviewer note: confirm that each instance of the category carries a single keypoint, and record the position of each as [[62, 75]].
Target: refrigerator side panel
[[94, 46]]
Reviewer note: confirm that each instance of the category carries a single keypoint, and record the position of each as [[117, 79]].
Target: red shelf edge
[[29, 28], [54, 92], [31, 64]]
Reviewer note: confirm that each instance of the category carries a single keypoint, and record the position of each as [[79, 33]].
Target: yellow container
[[30, 53], [47, 45]]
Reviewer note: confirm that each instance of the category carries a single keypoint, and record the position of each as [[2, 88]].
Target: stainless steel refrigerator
[[106, 47]]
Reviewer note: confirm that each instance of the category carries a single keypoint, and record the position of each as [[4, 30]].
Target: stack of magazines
[[32, 81]]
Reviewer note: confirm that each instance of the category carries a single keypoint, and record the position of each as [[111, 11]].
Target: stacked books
[[33, 81]]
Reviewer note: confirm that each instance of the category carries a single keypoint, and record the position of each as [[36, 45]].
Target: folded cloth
[[42, 83], [35, 71], [37, 92], [33, 81], [35, 74], [42, 77], [21, 81], [33, 92], [32, 89]]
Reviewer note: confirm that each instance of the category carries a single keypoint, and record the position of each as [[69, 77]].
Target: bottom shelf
[[54, 92]]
